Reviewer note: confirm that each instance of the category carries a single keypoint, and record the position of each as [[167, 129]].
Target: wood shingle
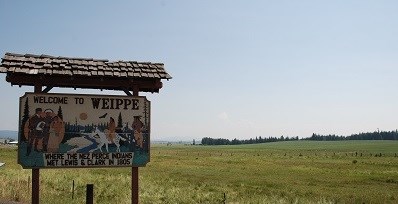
[[15, 62], [47, 70]]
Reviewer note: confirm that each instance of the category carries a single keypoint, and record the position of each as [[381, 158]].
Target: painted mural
[[64, 130]]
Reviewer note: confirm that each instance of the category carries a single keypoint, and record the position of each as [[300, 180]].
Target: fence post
[[73, 188], [134, 185], [35, 186], [90, 194]]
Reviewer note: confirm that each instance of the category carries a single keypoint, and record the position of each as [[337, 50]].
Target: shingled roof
[[26, 69]]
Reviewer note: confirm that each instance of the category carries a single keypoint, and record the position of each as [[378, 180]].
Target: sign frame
[[108, 154]]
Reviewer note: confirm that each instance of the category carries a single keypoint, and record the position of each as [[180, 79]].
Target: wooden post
[[36, 171], [134, 185], [35, 186], [73, 189], [38, 88], [134, 170], [90, 194]]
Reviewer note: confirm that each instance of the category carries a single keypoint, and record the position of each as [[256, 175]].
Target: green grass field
[[281, 172]]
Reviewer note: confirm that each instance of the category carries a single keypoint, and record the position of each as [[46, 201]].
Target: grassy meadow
[[280, 172]]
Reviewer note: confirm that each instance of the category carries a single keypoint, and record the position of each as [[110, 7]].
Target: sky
[[241, 69]]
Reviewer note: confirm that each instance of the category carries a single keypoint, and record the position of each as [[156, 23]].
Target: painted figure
[[110, 134], [34, 128], [48, 118], [138, 126], [56, 134], [103, 140], [93, 141]]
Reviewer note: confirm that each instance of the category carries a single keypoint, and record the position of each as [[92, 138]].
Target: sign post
[[69, 131], [134, 175], [36, 171]]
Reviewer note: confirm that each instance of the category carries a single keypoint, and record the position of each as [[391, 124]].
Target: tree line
[[222, 141], [377, 135]]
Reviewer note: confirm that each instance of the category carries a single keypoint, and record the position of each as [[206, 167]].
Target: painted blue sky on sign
[[240, 69]]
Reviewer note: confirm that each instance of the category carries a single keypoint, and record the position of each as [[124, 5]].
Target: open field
[[282, 172]]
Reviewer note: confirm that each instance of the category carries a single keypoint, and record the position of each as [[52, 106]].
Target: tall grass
[[283, 172]]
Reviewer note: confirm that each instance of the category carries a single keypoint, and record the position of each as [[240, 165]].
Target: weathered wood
[[128, 93], [134, 185], [37, 88], [36, 172], [35, 186], [134, 170], [86, 82], [90, 194], [56, 71], [136, 90], [47, 89]]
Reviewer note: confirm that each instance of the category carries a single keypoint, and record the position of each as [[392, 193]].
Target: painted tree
[[127, 127], [60, 115], [120, 121], [25, 117]]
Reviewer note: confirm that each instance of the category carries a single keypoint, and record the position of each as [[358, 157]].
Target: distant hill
[[9, 134], [170, 142]]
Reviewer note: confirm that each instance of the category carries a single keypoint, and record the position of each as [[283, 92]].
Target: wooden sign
[[69, 131]]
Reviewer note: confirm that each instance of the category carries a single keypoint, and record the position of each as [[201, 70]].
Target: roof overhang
[[49, 71]]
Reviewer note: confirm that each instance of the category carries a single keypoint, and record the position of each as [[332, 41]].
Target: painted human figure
[[35, 126], [56, 135], [138, 126], [111, 130], [48, 118]]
